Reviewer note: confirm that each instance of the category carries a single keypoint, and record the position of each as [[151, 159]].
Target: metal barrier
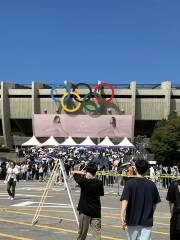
[[116, 181]]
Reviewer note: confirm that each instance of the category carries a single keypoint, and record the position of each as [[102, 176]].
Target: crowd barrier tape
[[110, 174]]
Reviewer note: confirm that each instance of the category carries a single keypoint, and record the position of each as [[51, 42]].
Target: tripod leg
[[45, 193], [73, 205]]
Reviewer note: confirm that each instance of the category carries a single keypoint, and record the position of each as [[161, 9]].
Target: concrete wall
[[142, 103]]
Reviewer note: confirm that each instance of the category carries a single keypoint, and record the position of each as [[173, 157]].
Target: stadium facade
[[147, 103]]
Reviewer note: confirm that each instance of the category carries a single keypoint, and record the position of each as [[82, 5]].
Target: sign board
[[100, 126]]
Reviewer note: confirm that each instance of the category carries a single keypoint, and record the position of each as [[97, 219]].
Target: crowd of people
[[41, 160], [38, 163], [83, 163]]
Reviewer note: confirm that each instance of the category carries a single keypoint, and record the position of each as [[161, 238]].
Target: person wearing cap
[[89, 206], [139, 199]]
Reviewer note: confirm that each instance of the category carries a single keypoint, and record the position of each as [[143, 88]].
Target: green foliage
[[165, 141], [4, 149]]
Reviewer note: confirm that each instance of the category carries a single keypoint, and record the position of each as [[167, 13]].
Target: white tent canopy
[[106, 142], [125, 143], [68, 142], [50, 142], [32, 142], [87, 142]]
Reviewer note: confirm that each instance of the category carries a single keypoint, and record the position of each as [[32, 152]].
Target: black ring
[[89, 94]]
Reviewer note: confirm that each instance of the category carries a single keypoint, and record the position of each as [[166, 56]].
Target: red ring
[[100, 85]]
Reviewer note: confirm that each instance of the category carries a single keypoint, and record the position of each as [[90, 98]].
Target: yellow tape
[[124, 175]]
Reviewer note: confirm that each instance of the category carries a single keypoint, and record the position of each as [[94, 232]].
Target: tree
[[165, 141]]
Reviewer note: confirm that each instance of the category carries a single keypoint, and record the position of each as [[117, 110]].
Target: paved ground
[[57, 220]]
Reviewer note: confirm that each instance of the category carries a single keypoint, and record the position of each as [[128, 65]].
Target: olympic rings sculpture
[[71, 93]]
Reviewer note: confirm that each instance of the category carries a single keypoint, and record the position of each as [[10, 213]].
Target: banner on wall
[[63, 125]]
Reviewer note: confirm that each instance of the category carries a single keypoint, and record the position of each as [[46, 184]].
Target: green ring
[[86, 99]]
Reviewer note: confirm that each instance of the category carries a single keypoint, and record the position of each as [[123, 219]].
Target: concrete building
[[147, 103]]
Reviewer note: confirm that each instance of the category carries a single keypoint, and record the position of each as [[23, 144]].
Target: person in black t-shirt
[[139, 199], [89, 206], [173, 196]]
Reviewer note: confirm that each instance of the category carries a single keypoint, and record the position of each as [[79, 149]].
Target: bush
[[4, 149], [165, 141]]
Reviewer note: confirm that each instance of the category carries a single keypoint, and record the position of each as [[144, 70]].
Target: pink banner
[[46, 125]]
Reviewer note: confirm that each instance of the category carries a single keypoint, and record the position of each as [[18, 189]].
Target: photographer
[[89, 206]]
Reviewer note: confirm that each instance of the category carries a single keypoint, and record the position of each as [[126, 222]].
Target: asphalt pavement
[[57, 221]]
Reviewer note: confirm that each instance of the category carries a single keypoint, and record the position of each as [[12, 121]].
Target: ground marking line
[[23, 204], [23, 196], [53, 228], [14, 236], [163, 224], [118, 214], [156, 217], [28, 203], [63, 211], [118, 226], [43, 216], [31, 210], [54, 193], [163, 233], [112, 217], [72, 220], [47, 206], [52, 205]]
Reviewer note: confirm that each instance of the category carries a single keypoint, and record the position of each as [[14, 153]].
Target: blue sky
[[88, 40]]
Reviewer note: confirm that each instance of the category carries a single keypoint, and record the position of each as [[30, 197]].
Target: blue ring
[[57, 100]]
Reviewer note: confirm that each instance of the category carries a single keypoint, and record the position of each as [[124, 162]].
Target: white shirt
[[152, 172], [11, 173]]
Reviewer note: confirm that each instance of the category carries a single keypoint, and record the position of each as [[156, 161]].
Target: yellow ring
[[65, 107]]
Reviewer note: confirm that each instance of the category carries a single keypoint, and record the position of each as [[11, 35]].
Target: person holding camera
[[89, 206]]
